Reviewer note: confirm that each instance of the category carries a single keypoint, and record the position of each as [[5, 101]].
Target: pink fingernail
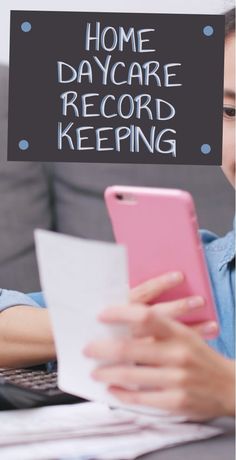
[[177, 276], [94, 375], [210, 328], [87, 351], [195, 302], [101, 316]]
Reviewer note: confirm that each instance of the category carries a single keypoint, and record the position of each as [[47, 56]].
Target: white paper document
[[89, 430], [80, 278]]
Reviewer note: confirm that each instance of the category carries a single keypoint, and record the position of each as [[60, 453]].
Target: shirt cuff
[[12, 298], [38, 298]]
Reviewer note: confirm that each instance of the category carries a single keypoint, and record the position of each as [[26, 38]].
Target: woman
[[177, 369]]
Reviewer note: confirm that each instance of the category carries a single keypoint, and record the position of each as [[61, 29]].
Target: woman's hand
[[149, 291], [166, 365]]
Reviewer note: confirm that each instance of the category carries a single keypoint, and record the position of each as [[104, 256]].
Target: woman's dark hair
[[230, 22]]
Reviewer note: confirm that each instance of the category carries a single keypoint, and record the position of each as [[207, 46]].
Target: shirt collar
[[229, 253]]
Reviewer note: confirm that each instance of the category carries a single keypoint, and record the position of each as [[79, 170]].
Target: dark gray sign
[[116, 88]]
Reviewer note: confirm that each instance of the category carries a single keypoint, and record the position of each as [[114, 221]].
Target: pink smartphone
[[159, 228]]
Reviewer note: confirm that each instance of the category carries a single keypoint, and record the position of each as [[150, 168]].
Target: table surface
[[219, 448]]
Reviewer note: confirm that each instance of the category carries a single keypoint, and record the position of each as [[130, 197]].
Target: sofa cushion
[[24, 205], [78, 193]]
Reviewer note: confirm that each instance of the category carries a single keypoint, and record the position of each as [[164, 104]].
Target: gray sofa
[[68, 198]]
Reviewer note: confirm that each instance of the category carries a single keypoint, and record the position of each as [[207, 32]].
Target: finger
[[147, 352], [141, 376], [138, 316], [207, 330], [151, 289], [153, 324], [174, 401], [180, 307], [173, 309], [122, 350], [146, 322], [123, 314]]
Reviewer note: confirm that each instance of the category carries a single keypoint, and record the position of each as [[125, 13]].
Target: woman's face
[[228, 164]]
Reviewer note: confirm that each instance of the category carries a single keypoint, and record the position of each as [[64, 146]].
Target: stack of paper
[[90, 430]]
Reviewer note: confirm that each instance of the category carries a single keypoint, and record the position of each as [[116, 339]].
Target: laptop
[[31, 387]]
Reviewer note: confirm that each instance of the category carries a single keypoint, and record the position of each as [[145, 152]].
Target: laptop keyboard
[[31, 387], [37, 380]]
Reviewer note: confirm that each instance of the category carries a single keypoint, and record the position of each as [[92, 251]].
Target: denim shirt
[[220, 258]]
